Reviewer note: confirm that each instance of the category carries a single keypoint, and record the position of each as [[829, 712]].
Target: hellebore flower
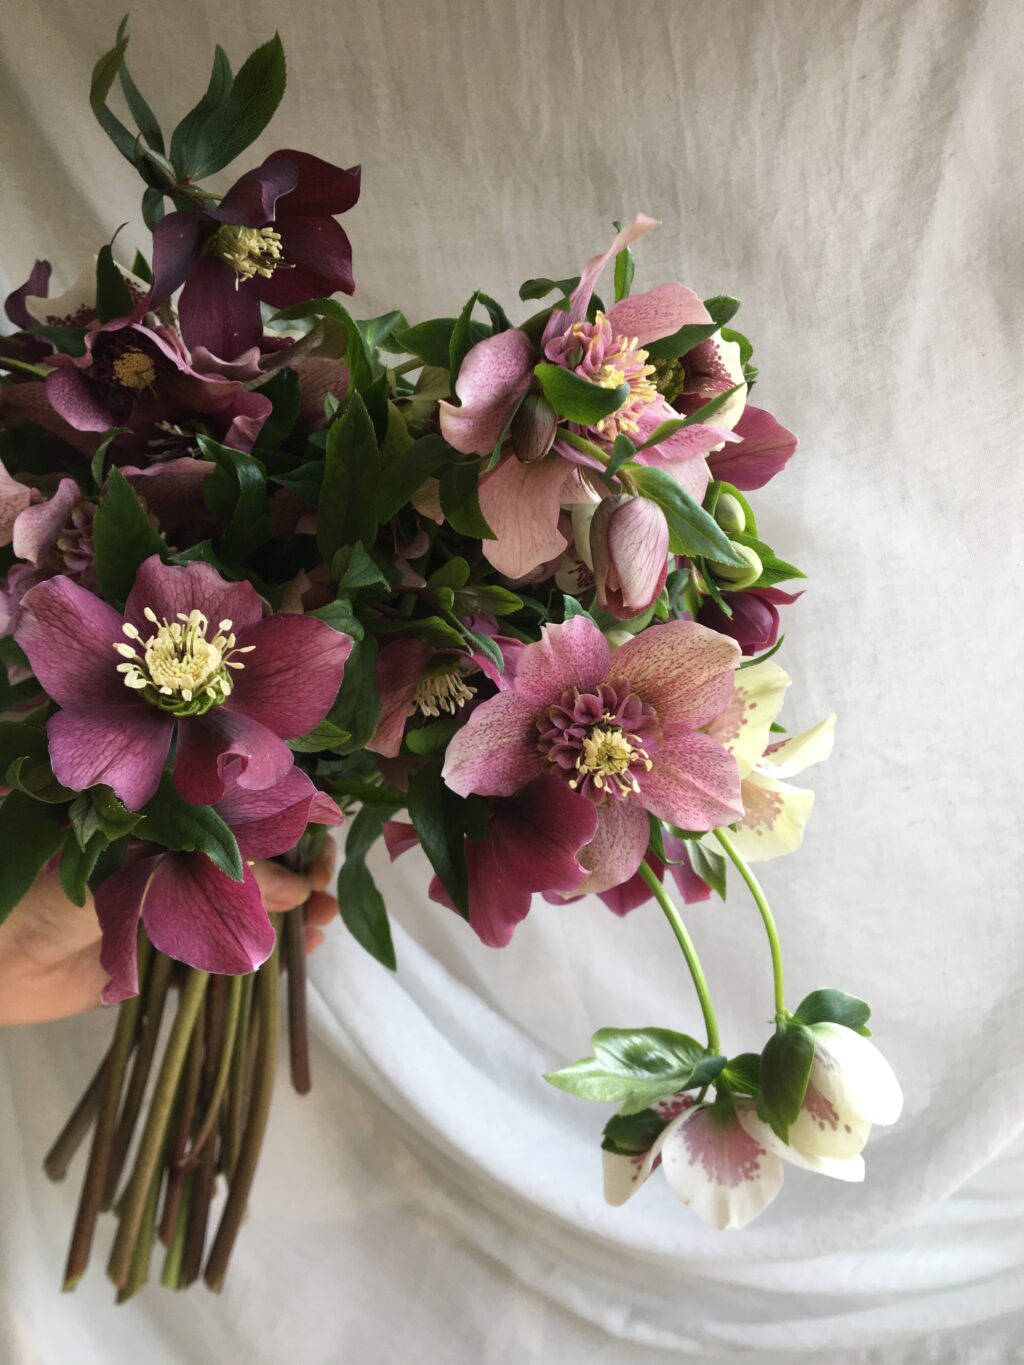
[[765, 449], [137, 376], [712, 368], [15, 498], [754, 623], [192, 655], [533, 843], [851, 1087], [621, 730], [194, 912], [53, 537], [272, 238], [712, 1163], [522, 497], [628, 552], [775, 814]]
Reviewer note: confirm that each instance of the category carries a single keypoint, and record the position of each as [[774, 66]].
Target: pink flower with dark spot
[[192, 657], [622, 731], [192, 910]]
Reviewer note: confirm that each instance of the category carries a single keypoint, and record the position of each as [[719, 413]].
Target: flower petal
[[291, 679], [176, 240], [320, 253], [579, 302], [14, 500], [168, 589], [791, 756], [215, 314], [69, 637], [694, 783], [851, 1072], [80, 403], [119, 900], [494, 376], [272, 821], [536, 836], [251, 200], [37, 528], [717, 1169], [222, 748], [618, 845], [36, 285], [825, 1129], [197, 915], [399, 666], [522, 504], [125, 746], [623, 1176], [850, 1168], [495, 753], [775, 816], [322, 190], [744, 726], [682, 669], [658, 313], [766, 449], [573, 654]]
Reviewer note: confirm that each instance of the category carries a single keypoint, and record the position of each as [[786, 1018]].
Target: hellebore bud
[[629, 548], [732, 576], [730, 515], [533, 428]]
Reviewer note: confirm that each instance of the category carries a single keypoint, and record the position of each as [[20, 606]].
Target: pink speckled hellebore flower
[[522, 497], [192, 910], [194, 657], [622, 730]]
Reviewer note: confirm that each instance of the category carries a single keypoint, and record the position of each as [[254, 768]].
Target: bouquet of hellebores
[[494, 589]]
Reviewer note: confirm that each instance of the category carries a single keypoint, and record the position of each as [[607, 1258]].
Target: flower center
[[441, 692], [177, 668], [601, 741], [134, 370], [595, 353], [249, 251]]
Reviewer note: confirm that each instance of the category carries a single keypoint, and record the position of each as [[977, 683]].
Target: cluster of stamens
[[249, 251], [134, 370], [441, 693], [177, 668], [600, 741]]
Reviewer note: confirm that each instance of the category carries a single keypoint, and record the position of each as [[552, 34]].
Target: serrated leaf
[[122, 538], [173, 823], [431, 341], [185, 138], [98, 810]]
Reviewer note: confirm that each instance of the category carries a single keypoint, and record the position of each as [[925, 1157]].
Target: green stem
[[211, 1113], [689, 952], [754, 887], [23, 367]]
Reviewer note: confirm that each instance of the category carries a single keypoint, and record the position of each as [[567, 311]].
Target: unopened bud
[[533, 428], [730, 515], [733, 576]]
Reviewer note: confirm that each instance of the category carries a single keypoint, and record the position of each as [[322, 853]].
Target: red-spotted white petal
[[824, 1129], [76, 307], [850, 1168], [791, 756], [744, 727], [732, 409], [623, 1176], [722, 1174], [775, 816], [851, 1073]]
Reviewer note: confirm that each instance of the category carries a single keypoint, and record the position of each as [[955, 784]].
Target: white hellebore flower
[[76, 307], [721, 1173], [775, 813], [851, 1087]]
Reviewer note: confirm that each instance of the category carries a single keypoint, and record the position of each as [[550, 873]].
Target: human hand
[[50, 948]]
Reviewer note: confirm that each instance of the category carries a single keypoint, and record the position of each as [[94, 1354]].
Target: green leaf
[[30, 834], [709, 866], [362, 907], [785, 1071], [571, 607], [140, 268], [103, 75], [351, 472], [77, 864], [679, 343], [145, 119], [377, 331], [152, 212], [122, 538], [408, 472], [175, 824], [575, 398], [645, 1053], [98, 810], [636, 1067], [722, 307], [99, 458], [431, 739], [186, 138], [113, 297], [623, 450], [834, 1007], [240, 115], [357, 708], [486, 600], [625, 269], [18, 740], [631, 1134], [327, 735], [460, 500], [359, 571], [774, 569], [746, 349], [715, 490], [435, 811], [742, 1074], [462, 337], [283, 391], [589, 1079], [431, 341], [540, 287], [244, 479], [429, 628], [691, 530], [35, 778]]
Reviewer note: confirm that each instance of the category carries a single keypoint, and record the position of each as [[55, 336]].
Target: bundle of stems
[[176, 1111]]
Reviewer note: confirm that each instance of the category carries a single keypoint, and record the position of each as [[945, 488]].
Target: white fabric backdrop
[[851, 170]]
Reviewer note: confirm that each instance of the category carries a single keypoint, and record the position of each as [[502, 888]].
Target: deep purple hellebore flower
[[272, 239], [192, 911], [192, 656], [754, 623], [533, 843], [622, 731]]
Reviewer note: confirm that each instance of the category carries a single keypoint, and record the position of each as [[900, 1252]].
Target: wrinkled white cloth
[[851, 171]]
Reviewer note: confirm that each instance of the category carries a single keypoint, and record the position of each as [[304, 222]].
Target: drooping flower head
[[621, 731], [192, 658]]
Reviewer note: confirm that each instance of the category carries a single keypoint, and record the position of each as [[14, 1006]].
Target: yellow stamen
[[178, 662], [441, 692], [134, 370], [249, 251], [607, 756]]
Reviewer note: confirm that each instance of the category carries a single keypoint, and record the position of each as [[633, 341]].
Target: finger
[[314, 938], [282, 889], [322, 871], [321, 908]]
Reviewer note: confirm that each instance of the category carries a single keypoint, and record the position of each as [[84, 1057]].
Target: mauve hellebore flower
[[192, 910], [621, 730], [194, 655], [272, 239], [522, 497]]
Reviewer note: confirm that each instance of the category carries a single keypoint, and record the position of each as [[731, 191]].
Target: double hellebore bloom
[[722, 1173], [192, 910], [851, 1087], [272, 239], [522, 497], [193, 657], [622, 731]]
